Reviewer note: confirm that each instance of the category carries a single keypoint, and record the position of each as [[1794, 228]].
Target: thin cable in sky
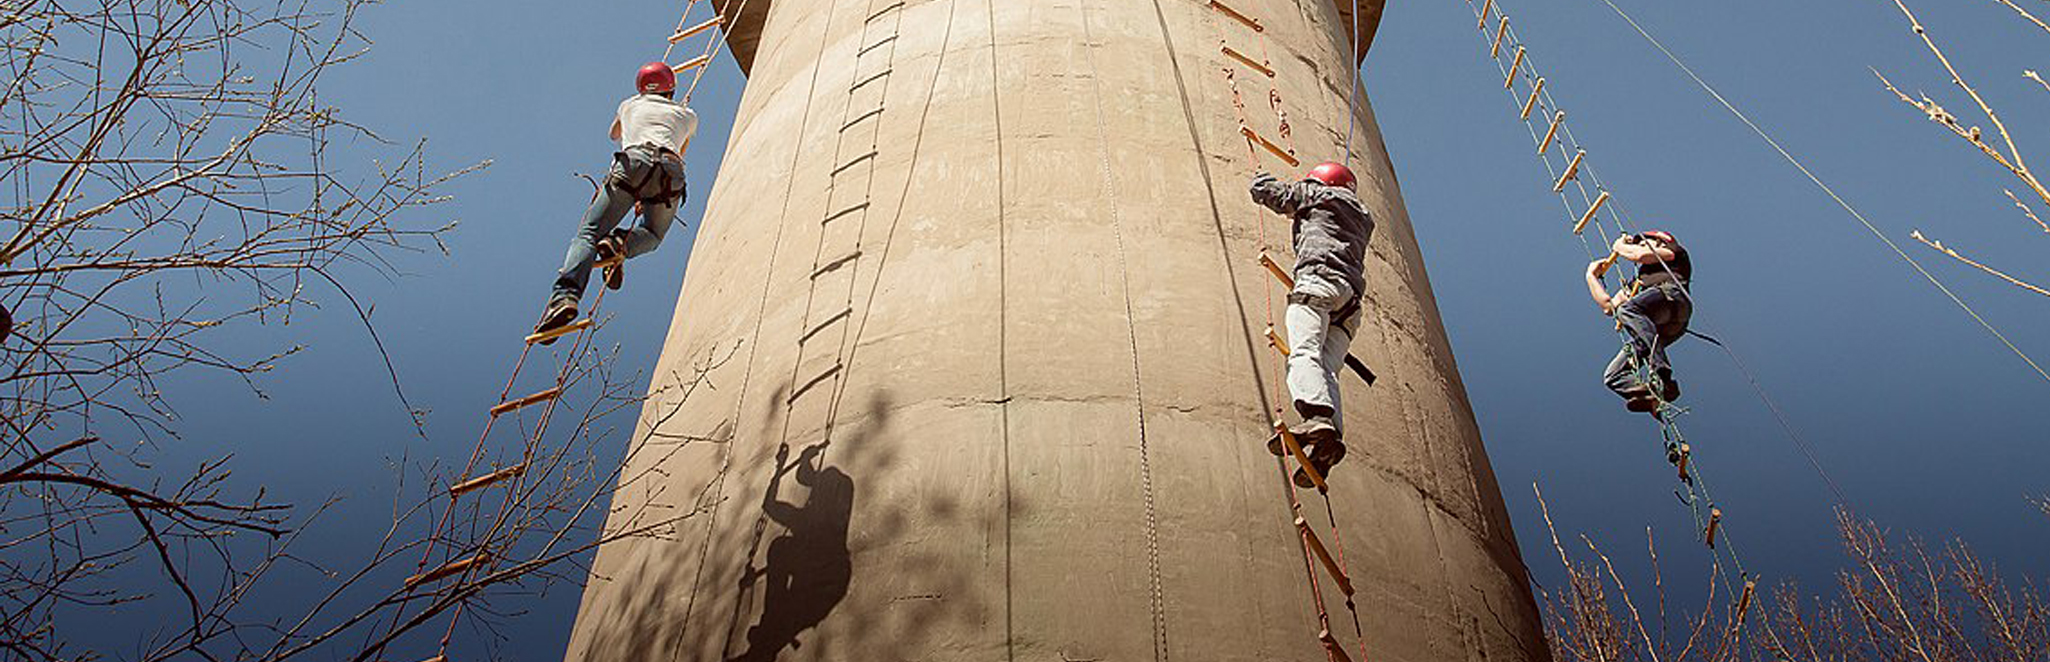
[[1825, 188]]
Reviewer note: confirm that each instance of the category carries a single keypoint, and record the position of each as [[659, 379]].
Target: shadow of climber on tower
[[1330, 232], [809, 567], [646, 175]]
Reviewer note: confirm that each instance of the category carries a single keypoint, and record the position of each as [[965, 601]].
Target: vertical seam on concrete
[[1003, 324], [1159, 598], [746, 376]]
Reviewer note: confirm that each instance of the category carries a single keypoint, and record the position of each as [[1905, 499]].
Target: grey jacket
[[1331, 227]]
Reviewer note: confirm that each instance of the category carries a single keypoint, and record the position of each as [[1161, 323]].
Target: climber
[[1331, 230], [1652, 309], [646, 175]]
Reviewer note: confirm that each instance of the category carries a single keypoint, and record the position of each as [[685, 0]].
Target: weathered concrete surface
[[1022, 394]]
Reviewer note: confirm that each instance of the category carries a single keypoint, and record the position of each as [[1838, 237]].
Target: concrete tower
[[969, 360]]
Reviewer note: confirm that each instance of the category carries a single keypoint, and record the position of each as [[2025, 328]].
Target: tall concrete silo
[[969, 362]]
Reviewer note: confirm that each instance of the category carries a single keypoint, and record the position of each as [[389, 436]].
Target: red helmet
[[1333, 174], [655, 77], [1661, 235]]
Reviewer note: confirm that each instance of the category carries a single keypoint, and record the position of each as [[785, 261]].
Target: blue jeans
[[1654, 319], [611, 205]]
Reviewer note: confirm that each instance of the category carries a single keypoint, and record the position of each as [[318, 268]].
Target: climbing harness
[[1239, 25], [444, 555]]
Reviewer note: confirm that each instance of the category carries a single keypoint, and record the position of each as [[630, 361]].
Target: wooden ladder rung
[[486, 480], [1485, 6], [693, 31], [1686, 457], [1274, 340], [692, 63], [1535, 90], [838, 214], [1324, 556], [879, 13], [560, 331], [1295, 449], [442, 572], [1514, 69], [1237, 16], [855, 161], [1572, 171], [1332, 647], [1552, 132], [878, 111], [437, 658], [1278, 152], [1244, 59], [1599, 200], [879, 44], [543, 396], [1495, 49], [1279, 273], [1715, 521]]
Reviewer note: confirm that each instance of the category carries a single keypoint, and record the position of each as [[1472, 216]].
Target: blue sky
[[1928, 424]]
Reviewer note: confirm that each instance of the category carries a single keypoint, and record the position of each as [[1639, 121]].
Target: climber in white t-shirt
[[646, 175]]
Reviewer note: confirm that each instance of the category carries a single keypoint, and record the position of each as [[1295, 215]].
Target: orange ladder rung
[[1550, 133], [437, 658], [1535, 90], [445, 571], [1686, 456], [1247, 60], [692, 63], [1572, 171], [1591, 209], [1715, 521], [486, 480], [1495, 50], [1324, 555], [1274, 340], [1514, 69], [1280, 274], [1485, 5], [693, 31], [1278, 152], [1237, 16], [543, 396], [560, 331]]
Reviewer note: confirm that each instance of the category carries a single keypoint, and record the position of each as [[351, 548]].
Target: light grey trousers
[[1316, 346]]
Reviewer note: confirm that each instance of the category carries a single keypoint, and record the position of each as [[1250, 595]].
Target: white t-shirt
[[653, 119]]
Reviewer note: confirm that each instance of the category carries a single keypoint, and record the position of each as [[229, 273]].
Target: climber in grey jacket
[[1331, 229]]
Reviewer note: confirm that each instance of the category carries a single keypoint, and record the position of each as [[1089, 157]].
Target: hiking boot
[[1312, 430], [560, 312], [1323, 456], [1642, 403], [612, 248]]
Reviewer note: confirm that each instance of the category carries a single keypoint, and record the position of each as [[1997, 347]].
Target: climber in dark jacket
[[1331, 229], [1652, 309]]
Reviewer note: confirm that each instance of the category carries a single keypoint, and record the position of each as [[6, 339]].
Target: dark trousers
[[1654, 319]]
